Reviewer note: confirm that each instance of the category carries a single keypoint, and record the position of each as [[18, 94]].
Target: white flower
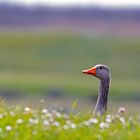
[[27, 109], [51, 119], [12, 113], [122, 119], [68, 122], [87, 123], [104, 125], [46, 122], [56, 123], [54, 111], [65, 126], [109, 120], [58, 114], [72, 125], [36, 121], [108, 116], [8, 127], [122, 110], [19, 121], [44, 111], [49, 115], [93, 120], [65, 116], [1, 116], [33, 121]]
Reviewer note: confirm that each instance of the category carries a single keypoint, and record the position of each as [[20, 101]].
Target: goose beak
[[91, 71]]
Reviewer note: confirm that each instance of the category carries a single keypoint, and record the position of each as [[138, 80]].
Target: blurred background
[[45, 45]]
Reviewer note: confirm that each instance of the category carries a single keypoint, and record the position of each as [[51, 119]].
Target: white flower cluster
[[52, 119]]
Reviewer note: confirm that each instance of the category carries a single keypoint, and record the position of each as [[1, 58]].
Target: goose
[[102, 72]]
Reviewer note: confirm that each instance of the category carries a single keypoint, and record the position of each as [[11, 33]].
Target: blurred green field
[[35, 62]]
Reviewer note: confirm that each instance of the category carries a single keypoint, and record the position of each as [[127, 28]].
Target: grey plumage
[[101, 105], [102, 72]]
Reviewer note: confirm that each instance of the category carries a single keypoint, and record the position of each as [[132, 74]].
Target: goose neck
[[101, 105]]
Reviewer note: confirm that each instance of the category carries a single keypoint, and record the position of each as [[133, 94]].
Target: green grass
[[20, 123], [34, 62]]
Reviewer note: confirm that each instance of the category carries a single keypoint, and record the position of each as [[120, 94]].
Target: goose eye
[[100, 67]]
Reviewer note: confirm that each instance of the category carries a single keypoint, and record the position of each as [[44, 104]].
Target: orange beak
[[91, 71]]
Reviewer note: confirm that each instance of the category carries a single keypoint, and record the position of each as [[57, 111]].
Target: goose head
[[99, 71]]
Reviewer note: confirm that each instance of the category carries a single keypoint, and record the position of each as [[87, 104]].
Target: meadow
[[39, 124], [41, 63]]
